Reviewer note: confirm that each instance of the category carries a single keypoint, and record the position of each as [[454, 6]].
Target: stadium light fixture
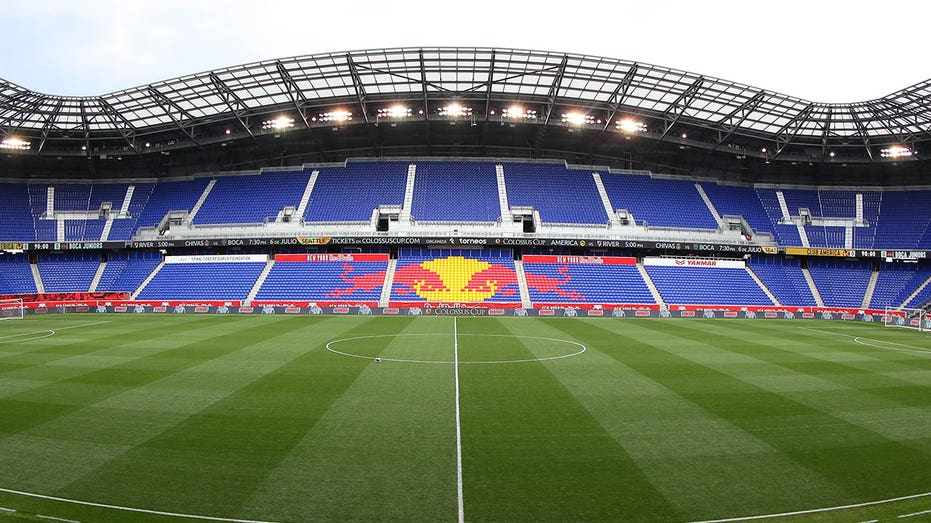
[[576, 118], [896, 151], [630, 126], [282, 122], [455, 110], [15, 144], [395, 111], [518, 113], [338, 115]]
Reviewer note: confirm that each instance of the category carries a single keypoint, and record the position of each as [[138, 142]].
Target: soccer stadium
[[463, 284]]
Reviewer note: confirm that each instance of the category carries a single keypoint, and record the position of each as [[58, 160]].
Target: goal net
[[907, 318], [11, 309]]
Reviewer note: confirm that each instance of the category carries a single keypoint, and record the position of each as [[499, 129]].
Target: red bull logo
[[544, 284], [456, 279], [361, 282]]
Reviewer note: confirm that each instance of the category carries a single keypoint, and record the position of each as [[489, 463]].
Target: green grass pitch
[[253, 418]]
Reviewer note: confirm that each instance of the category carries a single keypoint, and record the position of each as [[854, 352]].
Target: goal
[[11, 309], [907, 318]]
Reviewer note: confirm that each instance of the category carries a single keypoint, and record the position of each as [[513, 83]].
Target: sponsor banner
[[496, 312], [580, 260], [642, 314], [292, 310], [587, 306], [391, 310], [246, 310], [687, 314], [202, 309], [730, 314], [695, 262], [811, 251], [160, 308], [340, 310], [351, 257], [808, 315], [546, 312], [224, 258], [595, 312], [120, 308], [770, 315], [67, 297]]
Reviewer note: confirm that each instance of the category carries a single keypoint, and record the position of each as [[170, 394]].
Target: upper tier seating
[[252, 199], [559, 194], [16, 220], [659, 202], [170, 196], [456, 191], [351, 193]]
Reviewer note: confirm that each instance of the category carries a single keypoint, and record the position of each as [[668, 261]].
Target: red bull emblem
[[456, 279], [361, 282], [544, 284]]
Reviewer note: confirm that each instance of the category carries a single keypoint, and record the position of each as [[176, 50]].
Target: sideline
[[815, 510]]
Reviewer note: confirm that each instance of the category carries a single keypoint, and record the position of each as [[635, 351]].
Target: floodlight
[[455, 110], [282, 122], [518, 112], [576, 118], [896, 151], [630, 126], [15, 144], [338, 115], [395, 111]]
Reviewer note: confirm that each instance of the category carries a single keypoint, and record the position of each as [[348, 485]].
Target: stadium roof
[[674, 106]]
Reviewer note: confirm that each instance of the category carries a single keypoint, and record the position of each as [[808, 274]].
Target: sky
[[817, 50]]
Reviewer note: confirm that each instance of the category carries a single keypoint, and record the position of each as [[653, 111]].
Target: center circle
[[578, 348]]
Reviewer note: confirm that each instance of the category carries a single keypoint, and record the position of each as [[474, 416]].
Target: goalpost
[[907, 318], [11, 309]]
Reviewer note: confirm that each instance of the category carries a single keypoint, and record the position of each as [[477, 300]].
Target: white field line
[[860, 340], [582, 348], [17, 338], [4, 509], [923, 512], [130, 509], [815, 510], [53, 518], [458, 425]]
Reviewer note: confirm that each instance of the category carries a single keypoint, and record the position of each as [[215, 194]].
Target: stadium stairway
[[201, 200], [148, 278], [97, 276], [916, 293], [40, 287], [714, 212], [305, 198], [814, 288], [525, 300], [870, 287], [657, 297], [259, 281], [405, 215], [606, 201], [762, 285], [506, 216], [385, 298]]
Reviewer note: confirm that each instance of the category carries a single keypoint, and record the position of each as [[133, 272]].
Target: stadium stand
[[203, 281], [659, 202], [358, 281], [67, 272], [840, 283], [16, 275], [16, 220], [351, 193], [125, 271], [170, 196], [704, 286], [454, 275], [554, 282], [559, 194], [456, 192], [252, 199], [783, 277]]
